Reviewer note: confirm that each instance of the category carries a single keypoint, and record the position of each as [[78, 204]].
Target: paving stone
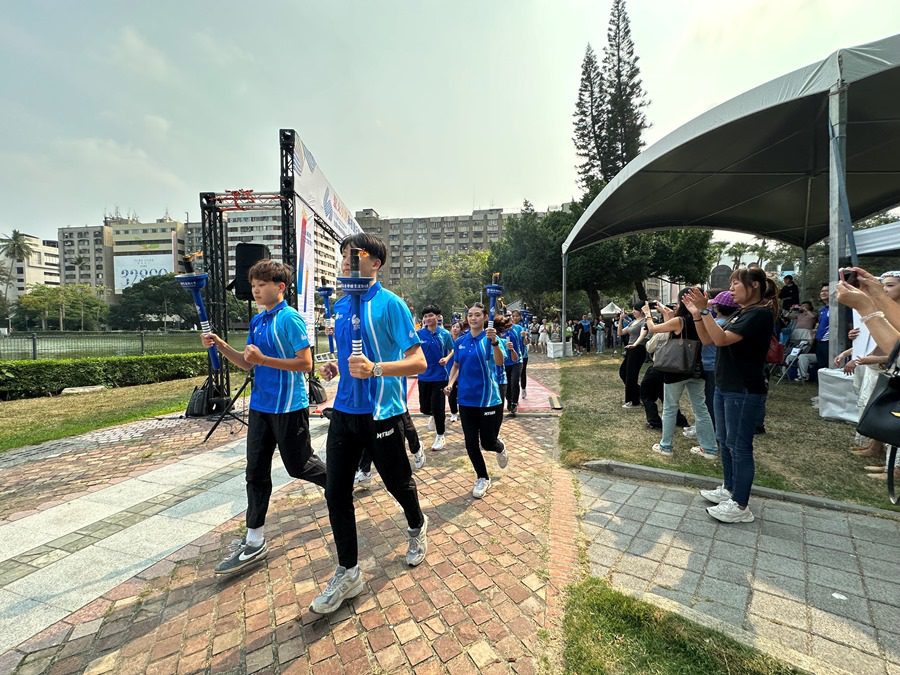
[[844, 604], [837, 580], [840, 560], [843, 630], [788, 548], [734, 553], [891, 643], [721, 611], [20, 618], [778, 584], [827, 540], [779, 609], [792, 638], [781, 565], [885, 570], [677, 579], [723, 592], [728, 571], [784, 515], [851, 660]]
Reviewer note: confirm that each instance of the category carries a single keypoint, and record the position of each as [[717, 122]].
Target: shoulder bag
[[678, 356], [881, 417]]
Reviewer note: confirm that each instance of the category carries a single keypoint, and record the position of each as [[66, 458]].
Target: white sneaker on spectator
[[419, 459], [431, 423], [729, 512], [454, 417], [717, 496], [362, 480], [438, 443], [697, 450], [631, 406], [689, 432]]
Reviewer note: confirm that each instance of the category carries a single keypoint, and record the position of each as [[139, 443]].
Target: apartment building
[[40, 267], [86, 256]]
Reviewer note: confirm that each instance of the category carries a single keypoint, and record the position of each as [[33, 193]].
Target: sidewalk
[[111, 539]]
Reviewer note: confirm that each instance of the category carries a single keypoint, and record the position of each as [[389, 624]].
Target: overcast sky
[[411, 108]]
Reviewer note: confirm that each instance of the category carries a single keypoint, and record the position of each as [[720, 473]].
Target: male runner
[[438, 348]]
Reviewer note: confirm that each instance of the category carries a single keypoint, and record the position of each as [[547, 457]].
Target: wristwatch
[[376, 370], [704, 312]]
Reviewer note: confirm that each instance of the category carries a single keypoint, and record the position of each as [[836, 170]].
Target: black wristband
[[496, 343]]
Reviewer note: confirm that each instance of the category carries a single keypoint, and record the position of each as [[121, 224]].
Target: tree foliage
[[72, 307], [15, 248], [453, 284], [590, 112]]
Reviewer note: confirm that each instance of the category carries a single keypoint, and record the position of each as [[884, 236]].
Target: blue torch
[[494, 290], [356, 286], [325, 292], [194, 283]]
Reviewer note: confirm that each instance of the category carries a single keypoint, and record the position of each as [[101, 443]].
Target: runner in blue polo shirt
[[278, 352], [438, 348], [391, 351], [523, 355], [476, 357], [511, 333]]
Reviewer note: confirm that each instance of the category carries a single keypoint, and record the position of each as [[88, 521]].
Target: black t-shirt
[[741, 366], [689, 332], [789, 296]]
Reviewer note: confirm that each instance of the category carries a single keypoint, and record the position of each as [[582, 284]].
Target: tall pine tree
[[589, 123], [624, 95]]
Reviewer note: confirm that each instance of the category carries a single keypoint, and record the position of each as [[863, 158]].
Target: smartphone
[[652, 304], [848, 275]]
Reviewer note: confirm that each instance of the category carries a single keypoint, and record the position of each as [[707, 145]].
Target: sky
[[411, 108]]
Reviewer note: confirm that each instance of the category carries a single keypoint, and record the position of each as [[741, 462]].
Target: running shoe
[[481, 486], [418, 544], [342, 586], [243, 557], [729, 512]]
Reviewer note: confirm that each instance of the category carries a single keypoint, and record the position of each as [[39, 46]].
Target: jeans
[[738, 413], [706, 436], [709, 377]]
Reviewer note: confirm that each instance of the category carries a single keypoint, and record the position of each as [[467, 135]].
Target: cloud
[[139, 56], [222, 51], [156, 125]]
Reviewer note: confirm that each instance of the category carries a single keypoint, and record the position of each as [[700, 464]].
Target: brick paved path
[[486, 600]]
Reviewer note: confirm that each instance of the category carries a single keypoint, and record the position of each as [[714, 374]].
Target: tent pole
[[562, 321], [804, 266], [837, 206]]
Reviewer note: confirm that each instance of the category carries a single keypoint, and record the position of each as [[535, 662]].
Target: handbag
[[678, 356], [776, 351], [317, 393], [881, 417]]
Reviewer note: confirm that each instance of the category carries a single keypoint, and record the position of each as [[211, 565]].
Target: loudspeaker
[[245, 257]]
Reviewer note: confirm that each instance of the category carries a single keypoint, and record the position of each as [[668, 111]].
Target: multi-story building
[[415, 245], [86, 256], [40, 267], [264, 227], [142, 250]]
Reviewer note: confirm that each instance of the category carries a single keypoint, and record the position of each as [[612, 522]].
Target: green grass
[[801, 452], [32, 421], [608, 632]]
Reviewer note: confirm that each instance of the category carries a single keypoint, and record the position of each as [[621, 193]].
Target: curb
[[624, 470]]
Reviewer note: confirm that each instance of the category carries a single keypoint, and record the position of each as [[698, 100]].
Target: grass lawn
[[35, 420], [609, 632], [801, 452]]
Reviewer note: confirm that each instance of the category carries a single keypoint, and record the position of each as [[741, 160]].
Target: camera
[[848, 275], [652, 304]]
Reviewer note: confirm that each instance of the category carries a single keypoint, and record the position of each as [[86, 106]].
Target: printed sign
[[131, 269]]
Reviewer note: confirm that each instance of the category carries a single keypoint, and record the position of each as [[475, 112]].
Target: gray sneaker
[[502, 456], [418, 544], [243, 557], [342, 586], [481, 486]]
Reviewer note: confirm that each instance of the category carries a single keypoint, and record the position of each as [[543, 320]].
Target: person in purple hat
[[723, 306]]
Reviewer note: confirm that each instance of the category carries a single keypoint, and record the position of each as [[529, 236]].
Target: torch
[[494, 290], [194, 283], [356, 286], [325, 292]]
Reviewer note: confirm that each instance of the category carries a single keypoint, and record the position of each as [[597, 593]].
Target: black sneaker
[[242, 558], [512, 409]]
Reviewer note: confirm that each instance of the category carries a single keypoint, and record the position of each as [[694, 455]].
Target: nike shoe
[[243, 557]]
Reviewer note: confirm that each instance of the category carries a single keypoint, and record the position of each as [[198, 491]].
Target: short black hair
[[431, 309], [271, 270], [367, 242], [788, 276]]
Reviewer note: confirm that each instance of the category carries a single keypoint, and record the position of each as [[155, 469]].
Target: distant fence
[[73, 345]]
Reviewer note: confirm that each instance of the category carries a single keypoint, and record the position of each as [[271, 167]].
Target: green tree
[[736, 251], [455, 282], [37, 303], [624, 121], [150, 299], [80, 263], [590, 112], [87, 307], [15, 248]]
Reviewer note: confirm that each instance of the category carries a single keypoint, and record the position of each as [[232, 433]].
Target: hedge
[[48, 377]]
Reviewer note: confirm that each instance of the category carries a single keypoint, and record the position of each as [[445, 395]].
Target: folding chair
[[792, 358]]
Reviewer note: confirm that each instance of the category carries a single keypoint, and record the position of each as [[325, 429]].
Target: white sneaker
[[431, 423], [665, 452], [697, 450], [419, 459], [630, 406], [689, 432], [343, 585], [729, 512], [454, 417], [481, 486], [438, 444], [418, 545], [362, 480], [502, 456], [524, 394], [717, 496]]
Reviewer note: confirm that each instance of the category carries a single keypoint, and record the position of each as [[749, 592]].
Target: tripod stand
[[228, 411]]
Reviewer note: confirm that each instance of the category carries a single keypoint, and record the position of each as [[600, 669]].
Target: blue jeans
[[737, 414], [706, 436]]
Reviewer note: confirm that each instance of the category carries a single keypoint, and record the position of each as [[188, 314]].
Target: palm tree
[[737, 251], [762, 252], [16, 248], [717, 250]]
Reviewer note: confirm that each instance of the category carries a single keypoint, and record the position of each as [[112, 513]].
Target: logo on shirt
[[384, 434], [355, 321], [337, 316]]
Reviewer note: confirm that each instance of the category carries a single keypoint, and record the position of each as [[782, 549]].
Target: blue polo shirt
[[436, 346], [387, 333], [279, 332], [822, 329], [477, 377], [514, 335]]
